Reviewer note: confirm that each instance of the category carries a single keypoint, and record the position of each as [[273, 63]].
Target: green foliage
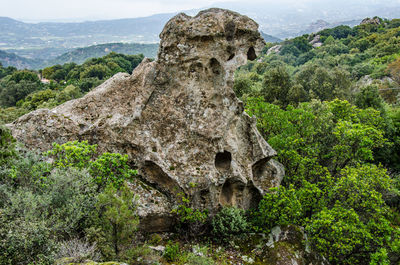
[[276, 85], [7, 146], [106, 169], [188, 215], [116, 221], [279, 206], [24, 75], [328, 71], [191, 221], [330, 186], [42, 213], [23, 91], [111, 168], [228, 222], [11, 92], [172, 252], [369, 97], [72, 154]]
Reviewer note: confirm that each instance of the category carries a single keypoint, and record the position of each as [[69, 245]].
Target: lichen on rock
[[177, 117]]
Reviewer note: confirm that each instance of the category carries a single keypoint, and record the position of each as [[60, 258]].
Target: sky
[[45, 10], [80, 10]]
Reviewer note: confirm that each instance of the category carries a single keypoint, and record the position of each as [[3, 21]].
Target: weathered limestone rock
[[288, 245], [372, 21], [177, 118]]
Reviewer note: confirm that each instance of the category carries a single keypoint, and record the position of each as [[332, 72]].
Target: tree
[[11, 91], [276, 85], [369, 97], [116, 221], [394, 70], [24, 75]]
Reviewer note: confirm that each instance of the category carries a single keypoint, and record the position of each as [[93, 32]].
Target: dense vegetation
[[22, 91], [331, 112]]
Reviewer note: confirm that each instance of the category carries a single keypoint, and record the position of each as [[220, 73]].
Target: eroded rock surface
[[177, 118], [288, 245]]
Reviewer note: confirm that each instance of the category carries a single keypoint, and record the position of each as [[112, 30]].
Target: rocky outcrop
[[288, 245], [316, 41], [274, 49], [177, 118], [372, 21]]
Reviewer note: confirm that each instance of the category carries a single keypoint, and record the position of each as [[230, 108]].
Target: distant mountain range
[[79, 55], [11, 59], [278, 20], [270, 38]]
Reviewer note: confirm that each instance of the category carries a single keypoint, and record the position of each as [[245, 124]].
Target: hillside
[[16, 34], [337, 60], [282, 21], [270, 38], [11, 59], [80, 55]]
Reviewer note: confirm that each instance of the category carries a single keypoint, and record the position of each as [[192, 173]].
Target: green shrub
[[228, 222], [172, 252], [278, 207], [111, 168], [115, 221], [7, 146], [72, 154], [187, 214], [192, 222], [25, 241], [194, 259]]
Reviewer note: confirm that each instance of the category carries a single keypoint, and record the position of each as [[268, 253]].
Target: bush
[[7, 145], [278, 207], [190, 220], [228, 222], [25, 241], [115, 222], [111, 168], [172, 252], [78, 250], [72, 154]]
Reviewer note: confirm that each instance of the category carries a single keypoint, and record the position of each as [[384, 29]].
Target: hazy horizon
[[78, 11]]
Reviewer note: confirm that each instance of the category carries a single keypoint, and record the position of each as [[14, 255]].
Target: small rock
[[158, 248]]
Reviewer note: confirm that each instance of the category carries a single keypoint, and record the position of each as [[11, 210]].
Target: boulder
[[177, 118]]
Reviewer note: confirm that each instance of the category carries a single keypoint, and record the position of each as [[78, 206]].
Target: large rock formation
[[177, 118]]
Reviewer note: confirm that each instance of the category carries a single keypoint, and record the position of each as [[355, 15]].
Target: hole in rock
[[230, 29], [231, 56], [156, 175], [255, 197], [259, 168], [196, 67], [251, 54], [215, 66], [231, 193], [223, 161]]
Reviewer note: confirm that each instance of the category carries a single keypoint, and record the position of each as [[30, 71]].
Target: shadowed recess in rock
[[223, 161]]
